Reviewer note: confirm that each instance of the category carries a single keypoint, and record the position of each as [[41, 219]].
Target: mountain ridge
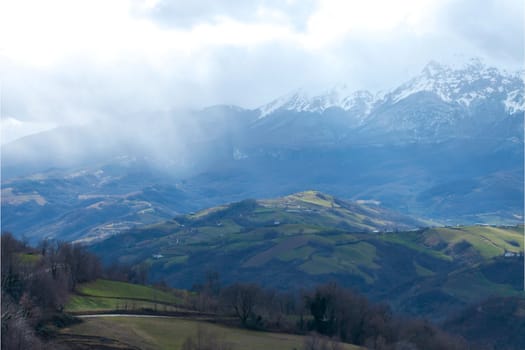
[[447, 161], [450, 83]]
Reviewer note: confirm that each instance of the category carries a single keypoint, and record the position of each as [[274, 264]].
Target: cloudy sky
[[69, 62]]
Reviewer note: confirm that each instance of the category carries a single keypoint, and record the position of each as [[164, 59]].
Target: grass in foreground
[[170, 333]]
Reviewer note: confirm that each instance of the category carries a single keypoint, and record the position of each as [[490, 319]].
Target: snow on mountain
[[464, 85], [515, 103], [294, 101], [339, 96]]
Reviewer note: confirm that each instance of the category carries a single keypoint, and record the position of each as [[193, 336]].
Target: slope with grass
[[106, 295], [170, 333], [491, 322]]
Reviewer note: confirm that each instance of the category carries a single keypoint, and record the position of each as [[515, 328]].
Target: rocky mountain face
[[442, 102], [447, 145]]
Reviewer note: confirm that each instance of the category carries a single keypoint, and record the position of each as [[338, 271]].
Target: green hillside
[[305, 208], [307, 238], [106, 295], [491, 322]]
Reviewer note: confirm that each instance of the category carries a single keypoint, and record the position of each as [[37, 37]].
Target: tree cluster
[[35, 286], [332, 312], [340, 313]]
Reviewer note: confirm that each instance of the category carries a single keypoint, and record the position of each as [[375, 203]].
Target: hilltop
[[307, 208], [309, 237]]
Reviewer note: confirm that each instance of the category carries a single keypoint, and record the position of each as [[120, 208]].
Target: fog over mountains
[[447, 146]]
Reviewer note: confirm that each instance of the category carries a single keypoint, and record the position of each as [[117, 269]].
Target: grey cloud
[[82, 91]]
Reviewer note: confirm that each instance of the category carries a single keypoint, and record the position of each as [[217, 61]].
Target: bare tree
[[17, 333], [242, 299]]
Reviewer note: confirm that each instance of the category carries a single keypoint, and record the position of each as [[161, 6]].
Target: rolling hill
[[307, 238]]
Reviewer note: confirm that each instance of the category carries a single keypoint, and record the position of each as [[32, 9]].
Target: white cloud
[[13, 129], [104, 31], [67, 61], [335, 20]]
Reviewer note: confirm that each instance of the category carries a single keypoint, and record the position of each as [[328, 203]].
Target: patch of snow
[[238, 155], [339, 96], [291, 101], [515, 102]]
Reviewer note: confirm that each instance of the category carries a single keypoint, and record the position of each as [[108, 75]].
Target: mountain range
[[445, 146]]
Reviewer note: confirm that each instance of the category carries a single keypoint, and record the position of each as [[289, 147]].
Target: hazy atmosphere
[[272, 174], [66, 62]]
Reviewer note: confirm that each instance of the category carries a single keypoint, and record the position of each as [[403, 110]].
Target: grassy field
[[170, 333], [487, 241], [153, 333], [107, 288], [29, 258], [83, 304], [104, 295]]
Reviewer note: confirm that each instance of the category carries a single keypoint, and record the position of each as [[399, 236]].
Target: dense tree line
[[330, 311], [36, 283]]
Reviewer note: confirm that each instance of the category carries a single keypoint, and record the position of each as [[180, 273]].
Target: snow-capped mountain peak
[[472, 81], [340, 96], [295, 100], [464, 84], [433, 69]]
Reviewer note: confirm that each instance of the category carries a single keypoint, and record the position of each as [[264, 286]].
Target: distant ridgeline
[[309, 238], [446, 145]]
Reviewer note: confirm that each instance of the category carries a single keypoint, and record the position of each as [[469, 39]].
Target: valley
[[445, 146], [249, 175], [352, 214]]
